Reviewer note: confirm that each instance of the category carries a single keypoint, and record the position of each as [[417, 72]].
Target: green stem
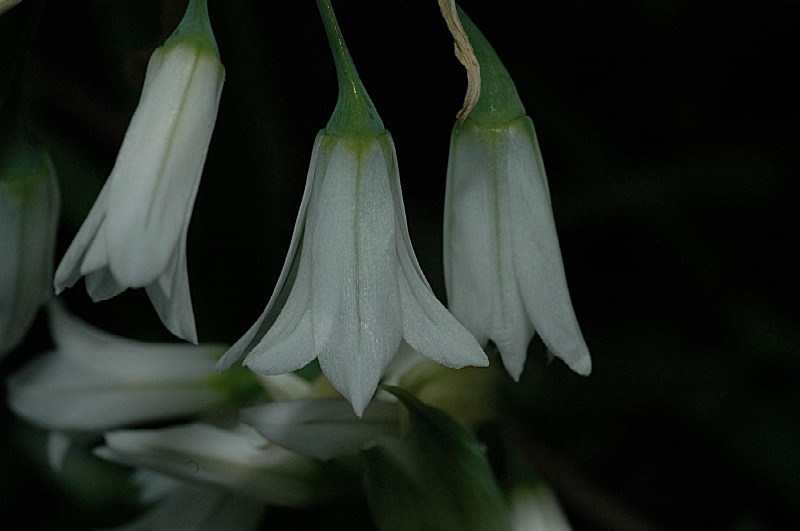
[[355, 114], [195, 26]]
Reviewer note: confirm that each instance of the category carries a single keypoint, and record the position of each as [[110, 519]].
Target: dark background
[[670, 133]]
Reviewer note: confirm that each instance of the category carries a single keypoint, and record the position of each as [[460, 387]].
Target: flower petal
[[55, 393], [288, 386], [286, 279], [101, 284], [537, 257], [355, 310], [323, 428], [470, 233], [122, 358], [69, 270], [289, 344], [427, 325], [481, 283], [171, 297], [165, 146]]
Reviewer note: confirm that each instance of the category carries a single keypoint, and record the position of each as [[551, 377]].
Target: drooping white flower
[[135, 234], [95, 381], [351, 289], [29, 204], [503, 269]]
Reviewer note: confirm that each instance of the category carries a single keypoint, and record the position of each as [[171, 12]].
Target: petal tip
[[360, 402], [582, 366]]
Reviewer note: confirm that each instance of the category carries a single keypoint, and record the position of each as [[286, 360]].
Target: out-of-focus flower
[[351, 289], [237, 460], [95, 381], [503, 269], [29, 205], [323, 428], [469, 394], [135, 234]]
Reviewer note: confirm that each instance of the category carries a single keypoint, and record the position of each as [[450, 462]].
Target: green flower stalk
[[351, 290], [503, 270], [135, 234]]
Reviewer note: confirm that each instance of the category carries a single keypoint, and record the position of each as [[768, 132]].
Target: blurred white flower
[[237, 460], [351, 289], [323, 428], [29, 205], [95, 381], [135, 234]]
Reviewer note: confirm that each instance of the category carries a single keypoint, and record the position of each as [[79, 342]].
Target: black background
[[669, 130]]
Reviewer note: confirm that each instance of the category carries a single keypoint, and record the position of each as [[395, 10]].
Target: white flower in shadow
[[503, 270], [502, 263]]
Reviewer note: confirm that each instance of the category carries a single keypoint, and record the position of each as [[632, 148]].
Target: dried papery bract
[[465, 55]]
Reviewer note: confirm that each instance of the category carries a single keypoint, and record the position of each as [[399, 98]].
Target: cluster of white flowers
[[351, 295]]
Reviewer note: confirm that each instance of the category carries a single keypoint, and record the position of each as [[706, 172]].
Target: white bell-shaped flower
[[351, 289], [503, 269], [135, 234]]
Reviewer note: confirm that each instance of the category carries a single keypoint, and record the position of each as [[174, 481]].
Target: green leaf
[[437, 477]]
